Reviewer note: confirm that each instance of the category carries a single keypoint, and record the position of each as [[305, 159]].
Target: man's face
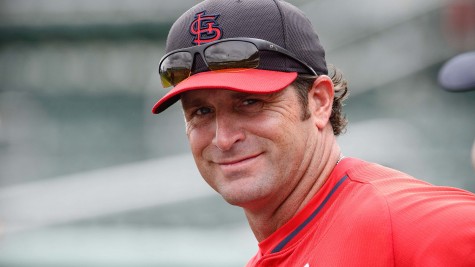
[[250, 148]]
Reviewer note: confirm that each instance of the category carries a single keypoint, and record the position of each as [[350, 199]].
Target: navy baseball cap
[[272, 20], [458, 73]]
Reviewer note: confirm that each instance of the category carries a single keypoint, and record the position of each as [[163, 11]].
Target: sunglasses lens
[[224, 55], [232, 54], [175, 68]]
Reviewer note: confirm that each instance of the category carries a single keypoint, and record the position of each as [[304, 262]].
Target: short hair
[[337, 119]]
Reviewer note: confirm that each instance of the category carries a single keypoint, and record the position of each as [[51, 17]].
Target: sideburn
[[302, 85]]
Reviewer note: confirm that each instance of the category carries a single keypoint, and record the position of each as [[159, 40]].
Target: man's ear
[[320, 100]]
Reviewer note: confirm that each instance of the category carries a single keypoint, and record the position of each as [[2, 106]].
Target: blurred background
[[89, 177]]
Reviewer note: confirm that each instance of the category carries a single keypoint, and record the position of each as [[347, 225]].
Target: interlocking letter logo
[[205, 28]]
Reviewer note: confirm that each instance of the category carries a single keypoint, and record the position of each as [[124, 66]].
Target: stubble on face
[[267, 137]]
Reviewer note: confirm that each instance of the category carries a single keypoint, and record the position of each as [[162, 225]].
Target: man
[[261, 117]]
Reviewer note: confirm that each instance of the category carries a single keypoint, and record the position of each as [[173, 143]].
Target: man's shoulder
[[372, 173], [423, 217], [395, 186], [408, 200]]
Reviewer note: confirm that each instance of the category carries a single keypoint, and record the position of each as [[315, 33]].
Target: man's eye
[[251, 105], [248, 102], [202, 111]]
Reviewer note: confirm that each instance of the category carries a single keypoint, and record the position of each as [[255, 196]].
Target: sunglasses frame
[[261, 45]]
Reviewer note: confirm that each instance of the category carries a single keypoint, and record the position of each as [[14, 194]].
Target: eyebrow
[[234, 95], [191, 103], [238, 95]]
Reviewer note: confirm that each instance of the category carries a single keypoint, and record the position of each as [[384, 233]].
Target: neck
[[265, 221]]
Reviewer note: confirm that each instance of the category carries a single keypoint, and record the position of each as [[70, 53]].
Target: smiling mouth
[[238, 161]]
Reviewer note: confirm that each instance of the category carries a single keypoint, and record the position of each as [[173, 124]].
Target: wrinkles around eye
[[250, 105]]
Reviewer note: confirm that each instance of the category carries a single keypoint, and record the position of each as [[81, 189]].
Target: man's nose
[[228, 131]]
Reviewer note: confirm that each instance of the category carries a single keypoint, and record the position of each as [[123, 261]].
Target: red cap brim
[[254, 81]]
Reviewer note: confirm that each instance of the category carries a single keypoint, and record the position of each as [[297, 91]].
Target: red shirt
[[370, 215]]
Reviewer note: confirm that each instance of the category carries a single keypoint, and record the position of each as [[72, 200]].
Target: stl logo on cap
[[205, 28]]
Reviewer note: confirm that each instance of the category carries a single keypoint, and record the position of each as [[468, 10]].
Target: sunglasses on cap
[[231, 53]]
